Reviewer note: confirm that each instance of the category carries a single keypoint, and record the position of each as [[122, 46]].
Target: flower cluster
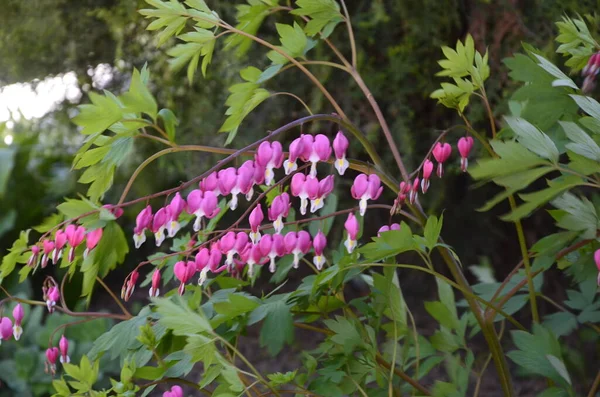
[[441, 153], [60, 353], [52, 249]]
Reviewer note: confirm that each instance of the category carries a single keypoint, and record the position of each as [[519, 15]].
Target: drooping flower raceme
[[366, 187], [91, 241], [465, 144], [143, 221], [340, 146], [297, 244], [441, 152], [280, 208], [269, 155], [351, 225], [319, 244], [63, 346], [18, 315]]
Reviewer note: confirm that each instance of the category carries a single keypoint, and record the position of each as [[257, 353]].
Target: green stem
[[296, 97], [526, 263]]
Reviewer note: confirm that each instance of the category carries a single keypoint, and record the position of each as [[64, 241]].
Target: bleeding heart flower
[[280, 208], [352, 227], [427, 170], [319, 244], [60, 239], [256, 217], [465, 144], [441, 152], [298, 244], [92, 240], [340, 146], [18, 316], [63, 345], [272, 246], [184, 271], [269, 156], [142, 222], [366, 187], [295, 151]]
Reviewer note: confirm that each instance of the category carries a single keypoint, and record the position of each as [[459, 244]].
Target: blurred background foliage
[[100, 41]]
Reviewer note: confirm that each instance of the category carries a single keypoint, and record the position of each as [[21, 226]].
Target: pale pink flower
[[269, 155], [340, 146], [143, 221], [280, 208], [366, 187], [352, 227]]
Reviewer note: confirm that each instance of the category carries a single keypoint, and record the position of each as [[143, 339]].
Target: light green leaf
[[582, 144], [562, 79], [139, 99], [534, 200], [533, 139], [432, 231], [588, 105], [180, 318], [322, 13], [560, 367], [99, 115], [170, 121]]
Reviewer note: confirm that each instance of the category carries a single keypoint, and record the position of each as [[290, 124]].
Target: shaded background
[[88, 45]]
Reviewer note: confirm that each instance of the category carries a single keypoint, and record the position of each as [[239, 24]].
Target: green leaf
[[250, 17], [278, 378], [180, 318], [560, 367], [514, 183], [534, 200], [432, 231], [514, 157], [99, 115], [533, 139], [346, 333], [235, 306], [321, 13], [168, 16], [169, 122], [198, 44], [15, 255], [588, 105], [120, 338], [576, 42], [278, 327], [581, 214], [561, 78], [582, 144], [561, 323], [73, 208], [442, 315], [139, 99], [244, 98]]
